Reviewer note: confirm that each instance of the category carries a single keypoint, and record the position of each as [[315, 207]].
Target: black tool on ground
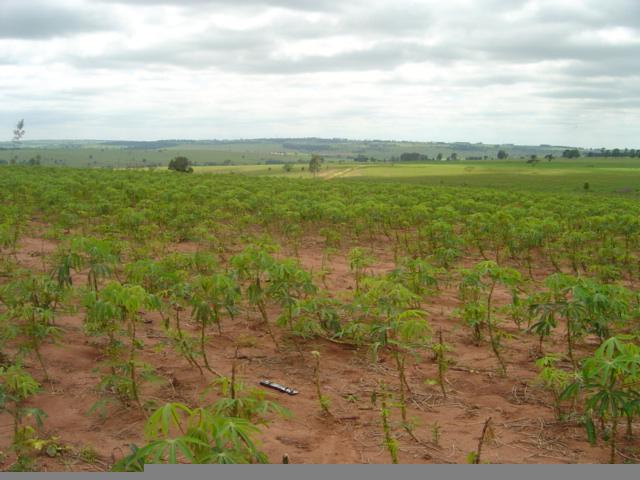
[[277, 386]]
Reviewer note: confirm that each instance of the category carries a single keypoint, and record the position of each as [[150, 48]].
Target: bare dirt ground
[[525, 429]]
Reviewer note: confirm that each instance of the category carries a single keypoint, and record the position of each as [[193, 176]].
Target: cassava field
[[483, 313]]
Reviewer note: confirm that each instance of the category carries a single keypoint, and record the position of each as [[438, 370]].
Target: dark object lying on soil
[[280, 388]]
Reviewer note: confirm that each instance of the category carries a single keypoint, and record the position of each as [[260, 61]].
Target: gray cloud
[[617, 12], [616, 66], [395, 36], [397, 20], [309, 5], [254, 55], [593, 93], [473, 60], [545, 43], [382, 56], [41, 20]]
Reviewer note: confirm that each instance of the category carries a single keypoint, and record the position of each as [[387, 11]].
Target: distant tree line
[[37, 160], [419, 157], [615, 152], [413, 157], [571, 153], [364, 159], [309, 147], [144, 145]]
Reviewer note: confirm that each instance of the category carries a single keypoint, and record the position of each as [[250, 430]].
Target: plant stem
[[442, 365], [44, 368], [232, 387], [184, 347], [390, 442], [265, 318], [316, 374], [403, 403], [570, 342], [203, 351], [481, 440], [494, 342], [132, 363], [614, 432]]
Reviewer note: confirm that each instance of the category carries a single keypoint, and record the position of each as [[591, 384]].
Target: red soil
[[524, 424]]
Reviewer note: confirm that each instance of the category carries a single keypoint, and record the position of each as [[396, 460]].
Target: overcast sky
[[562, 72]]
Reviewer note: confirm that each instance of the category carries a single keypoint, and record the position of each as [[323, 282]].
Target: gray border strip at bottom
[[358, 472]]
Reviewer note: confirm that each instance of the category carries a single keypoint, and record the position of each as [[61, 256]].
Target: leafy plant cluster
[[117, 234]]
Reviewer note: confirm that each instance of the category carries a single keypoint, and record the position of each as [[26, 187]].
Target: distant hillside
[[124, 153]]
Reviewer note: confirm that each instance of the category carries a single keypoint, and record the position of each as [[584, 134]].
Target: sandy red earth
[[524, 425]]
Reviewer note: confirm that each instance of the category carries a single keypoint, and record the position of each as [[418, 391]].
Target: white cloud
[[537, 71]]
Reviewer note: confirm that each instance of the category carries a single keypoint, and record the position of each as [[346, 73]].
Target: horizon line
[[249, 139]]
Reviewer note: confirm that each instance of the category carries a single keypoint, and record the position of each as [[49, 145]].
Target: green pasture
[[96, 157], [602, 175], [256, 158]]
